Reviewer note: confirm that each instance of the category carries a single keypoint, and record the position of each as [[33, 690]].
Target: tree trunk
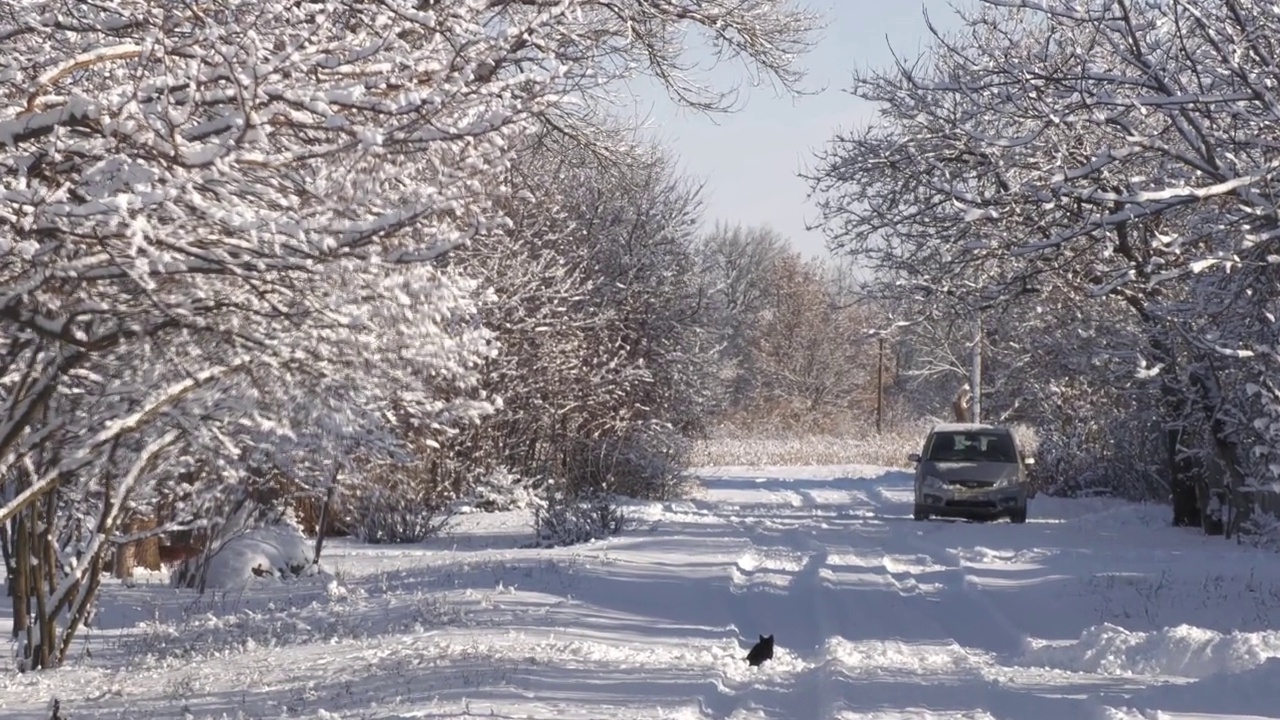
[[81, 611], [1174, 405], [22, 584], [325, 509], [1182, 479], [1205, 381], [42, 633], [6, 550]]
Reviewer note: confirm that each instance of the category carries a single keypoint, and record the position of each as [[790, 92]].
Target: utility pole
[[880, 387], [975, 372]]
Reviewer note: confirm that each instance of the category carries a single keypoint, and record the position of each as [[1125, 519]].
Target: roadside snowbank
[[1181, 651]]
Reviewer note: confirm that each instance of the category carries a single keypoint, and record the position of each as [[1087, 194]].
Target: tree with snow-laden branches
[[220, 234], [606, 365], [1117, 153]]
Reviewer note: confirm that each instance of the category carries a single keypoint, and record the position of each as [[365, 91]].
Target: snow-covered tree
[[603, 368], [810, 354], [735, 262], [218, 224], [1117, 153]]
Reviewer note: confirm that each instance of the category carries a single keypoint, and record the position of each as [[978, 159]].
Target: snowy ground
[[1094, 609]]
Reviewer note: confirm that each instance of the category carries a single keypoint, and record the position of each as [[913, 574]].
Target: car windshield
[[971, 446]]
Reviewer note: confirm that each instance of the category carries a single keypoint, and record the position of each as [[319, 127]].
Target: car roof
[[966, 427]]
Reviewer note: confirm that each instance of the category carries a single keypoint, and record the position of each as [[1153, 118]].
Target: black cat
[[762, 651]]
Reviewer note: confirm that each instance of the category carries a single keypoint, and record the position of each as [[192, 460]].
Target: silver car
[[971, 471]]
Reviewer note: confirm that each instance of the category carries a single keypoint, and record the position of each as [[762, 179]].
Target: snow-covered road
[[1093, 609]]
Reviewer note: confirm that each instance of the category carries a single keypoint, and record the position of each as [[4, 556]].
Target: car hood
[[987, 471]]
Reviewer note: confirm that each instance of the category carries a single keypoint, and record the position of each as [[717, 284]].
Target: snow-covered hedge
[[647, 461], [1120, 455], [500, 490], [564, 518], [393, 514]]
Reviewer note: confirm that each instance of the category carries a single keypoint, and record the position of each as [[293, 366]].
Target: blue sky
[[749, 160]]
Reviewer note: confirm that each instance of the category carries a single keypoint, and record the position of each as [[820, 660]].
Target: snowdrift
[[1181, 651], [261, 555]]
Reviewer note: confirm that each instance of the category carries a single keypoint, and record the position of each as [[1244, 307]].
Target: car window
[[971, 446]]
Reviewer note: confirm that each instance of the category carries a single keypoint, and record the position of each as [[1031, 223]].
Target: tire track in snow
[[813, 656], [779, 584], [966, 613], [905, 575], [853, 598], [771, 566], [913, 572], [794, 666], [895, 500], [885, 613], [981, 623], [824, 667]]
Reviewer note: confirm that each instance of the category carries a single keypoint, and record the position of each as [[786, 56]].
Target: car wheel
[[919, 514], [1018, 516]]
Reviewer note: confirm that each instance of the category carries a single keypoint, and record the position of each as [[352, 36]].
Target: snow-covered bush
[[262, 555], [1261, 528], [594, 297], [1265, 455], [646, 462], [1116, 455], [392, 514], [499, 489], [569, 518], [252, 542]]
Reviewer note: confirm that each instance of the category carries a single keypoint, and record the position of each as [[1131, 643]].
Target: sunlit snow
[[1094, 609]]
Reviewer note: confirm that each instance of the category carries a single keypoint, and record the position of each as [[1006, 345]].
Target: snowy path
[[1093, 609]]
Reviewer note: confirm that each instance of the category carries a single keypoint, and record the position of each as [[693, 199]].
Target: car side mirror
[[914, 457]]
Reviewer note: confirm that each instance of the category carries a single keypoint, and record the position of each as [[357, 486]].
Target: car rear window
[[971, 446]]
